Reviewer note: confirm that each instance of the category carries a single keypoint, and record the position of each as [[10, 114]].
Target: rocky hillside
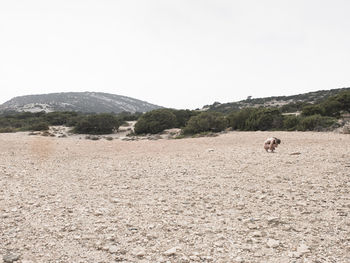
[[96, 102], [290, 103]]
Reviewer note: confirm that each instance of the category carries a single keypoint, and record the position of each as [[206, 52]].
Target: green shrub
[[344, 99], [155, 121], [315, 123], [39, 126], [206, 122], [253, 119], [293, 107], [97, 124], [128, 116], [290, 122], [60, 118], [182, 117], [309, 110], [74, 120], [7, 130], [332, 106], [237, 119]]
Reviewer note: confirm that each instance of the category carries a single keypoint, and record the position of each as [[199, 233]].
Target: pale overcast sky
[[178, 53]]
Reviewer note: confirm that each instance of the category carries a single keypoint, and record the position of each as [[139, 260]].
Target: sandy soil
[[220, 199]]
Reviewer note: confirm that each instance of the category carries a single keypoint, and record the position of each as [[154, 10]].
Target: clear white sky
[[178, 53]]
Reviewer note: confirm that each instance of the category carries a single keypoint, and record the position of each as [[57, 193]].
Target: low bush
[[315, 123], [182, 117], [39, 126], [290, 122], [206, 122], [332, 106], [7, 130], [128, 116], [155, 121], [97, 124], [253, 119]]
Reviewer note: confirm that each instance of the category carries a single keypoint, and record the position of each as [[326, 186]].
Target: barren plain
[[215, 199]]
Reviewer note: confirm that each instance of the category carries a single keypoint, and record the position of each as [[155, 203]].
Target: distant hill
[[87, 102], [287, 103]]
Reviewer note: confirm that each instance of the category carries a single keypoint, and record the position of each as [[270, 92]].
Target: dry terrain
[[217, 199]]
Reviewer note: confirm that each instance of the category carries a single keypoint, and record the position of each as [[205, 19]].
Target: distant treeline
[[314, 117], [82, 123]]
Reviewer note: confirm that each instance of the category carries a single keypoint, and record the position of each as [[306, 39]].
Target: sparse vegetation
[[40, 126], [182, 117], [155, 121], [315, 123], [26, 121], [206, 122], [332, 107], [286, 103], [253, 119], [317, 116], [97, 124], [290, 122]]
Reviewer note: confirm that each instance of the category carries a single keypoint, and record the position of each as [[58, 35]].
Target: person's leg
[[266, 147]]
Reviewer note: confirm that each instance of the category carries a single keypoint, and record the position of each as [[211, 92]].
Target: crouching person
[[271, 144]]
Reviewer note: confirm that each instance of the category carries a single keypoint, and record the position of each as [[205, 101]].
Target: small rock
[[10, 257], [194, 258], [171, 251], [272, 219], [303, 248], [113, 249], [272, 243], [139, 252], [115, 200], [98, 213], [294, 254], [300, 203], [238, 259], [256, 234]]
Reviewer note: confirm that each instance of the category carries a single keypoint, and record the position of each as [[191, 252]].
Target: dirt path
[[220, 199]]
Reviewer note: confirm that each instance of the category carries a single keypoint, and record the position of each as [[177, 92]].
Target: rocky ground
[[219, 199]]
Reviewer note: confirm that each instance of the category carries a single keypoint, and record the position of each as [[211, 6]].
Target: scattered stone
[[257, 234], [98, 213], [303, 248], [272, 219], [139, 252], [115, 200], [295, 254], [238, 260], [171, 251], [112, 249], [272, 243]]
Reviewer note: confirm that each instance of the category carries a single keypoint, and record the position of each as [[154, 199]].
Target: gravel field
[[215, 199]]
